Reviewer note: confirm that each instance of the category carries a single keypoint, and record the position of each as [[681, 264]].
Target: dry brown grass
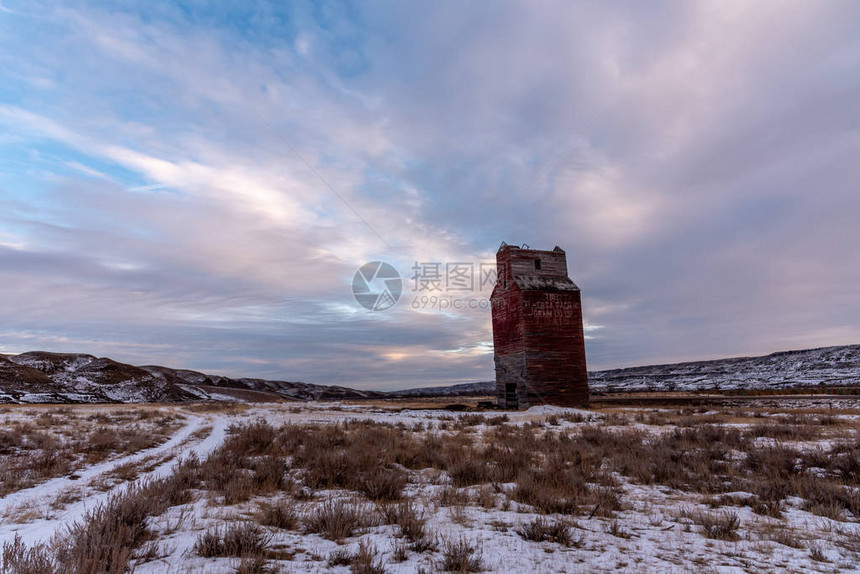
[[334, 519], [240, 539], [780, 533], [18, 558], [408, 517], [547, 466], [365, 560], [717, 525], [540, 529], [226, 407], [106, 538], [56, 442], [566, 471], [280, 514], [451, 496], [462, 556]]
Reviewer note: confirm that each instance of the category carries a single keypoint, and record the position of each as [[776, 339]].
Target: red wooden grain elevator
[[537, 331]]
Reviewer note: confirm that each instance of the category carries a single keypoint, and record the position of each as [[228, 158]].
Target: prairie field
[[408, 487]]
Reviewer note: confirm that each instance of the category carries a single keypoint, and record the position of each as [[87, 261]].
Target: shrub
[[268, 474], [466, 471], [236, 539], [239, 487], [772, 508], [19, 559], [826, 498], [607, 500], [461, 556], [817, 553], [616, 529], [405, 515], [540, 529], [340, 557], [783, 535], [104, 541], [383, 484], [365, 561], [253, 565], [334, 520], [400, 551], [551, 490], [250, 439], [426, 543], [280, 514], [719, 526]]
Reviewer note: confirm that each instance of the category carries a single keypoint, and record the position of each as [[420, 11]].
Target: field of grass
[[368, 488], [39, 443]]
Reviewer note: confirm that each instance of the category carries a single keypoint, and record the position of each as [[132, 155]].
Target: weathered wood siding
[[537, 331]]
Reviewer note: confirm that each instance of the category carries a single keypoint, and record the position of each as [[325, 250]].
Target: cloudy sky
[[196, 186]]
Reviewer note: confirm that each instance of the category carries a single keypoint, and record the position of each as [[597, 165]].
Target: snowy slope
[[462, 390], [41, 377], [829, 366], [286, 389]]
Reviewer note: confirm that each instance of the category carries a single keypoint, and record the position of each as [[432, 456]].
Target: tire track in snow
[[42, 495]]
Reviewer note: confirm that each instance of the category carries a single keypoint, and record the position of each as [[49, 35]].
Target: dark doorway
[[511, 400]]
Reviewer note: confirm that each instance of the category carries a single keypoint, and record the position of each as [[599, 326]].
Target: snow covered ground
[[828, 366], [655, 527], [45, 508]]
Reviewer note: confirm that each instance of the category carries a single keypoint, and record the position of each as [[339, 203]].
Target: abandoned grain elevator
[[537, 330]]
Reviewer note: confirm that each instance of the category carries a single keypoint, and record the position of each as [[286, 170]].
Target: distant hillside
[[828, 366], [41, 377], [462, 390]]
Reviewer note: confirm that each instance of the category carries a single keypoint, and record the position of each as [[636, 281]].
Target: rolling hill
[[42, 377]]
